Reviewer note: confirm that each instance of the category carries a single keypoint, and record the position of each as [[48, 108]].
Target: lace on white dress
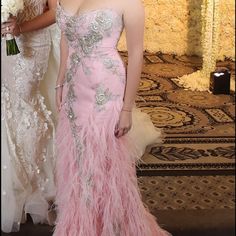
[[27, 155]]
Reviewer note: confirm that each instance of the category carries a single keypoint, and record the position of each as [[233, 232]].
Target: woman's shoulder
[[131, 5], [131, 8]]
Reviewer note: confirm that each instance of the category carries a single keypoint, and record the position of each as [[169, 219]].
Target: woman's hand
[[59, 91], [10, 27], [124, 124]]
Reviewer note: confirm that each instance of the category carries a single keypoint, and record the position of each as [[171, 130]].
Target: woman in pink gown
[[97, 186]]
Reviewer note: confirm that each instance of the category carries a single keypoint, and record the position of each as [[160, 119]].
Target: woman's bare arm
[[134, 28], [62, 71], [41, 21], [63, 60]]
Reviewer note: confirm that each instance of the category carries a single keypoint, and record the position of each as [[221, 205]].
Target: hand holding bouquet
[[9, 9]]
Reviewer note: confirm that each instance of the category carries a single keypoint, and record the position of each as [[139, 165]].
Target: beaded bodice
[[92, 30]]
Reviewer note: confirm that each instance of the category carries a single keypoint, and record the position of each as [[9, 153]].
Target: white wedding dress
[[27, 157]]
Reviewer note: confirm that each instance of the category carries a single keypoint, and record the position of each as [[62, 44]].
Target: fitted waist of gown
[[97, 53]]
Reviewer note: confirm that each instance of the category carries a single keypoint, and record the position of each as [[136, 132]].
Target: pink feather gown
[[97, 186]]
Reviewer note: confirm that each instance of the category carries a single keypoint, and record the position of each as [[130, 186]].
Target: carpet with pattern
[[188, 192], [199, 126]]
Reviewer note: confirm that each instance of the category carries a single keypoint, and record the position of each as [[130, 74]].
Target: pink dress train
[[97, 186]]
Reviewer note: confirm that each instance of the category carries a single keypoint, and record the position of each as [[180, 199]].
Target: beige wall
[[174, 26]]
